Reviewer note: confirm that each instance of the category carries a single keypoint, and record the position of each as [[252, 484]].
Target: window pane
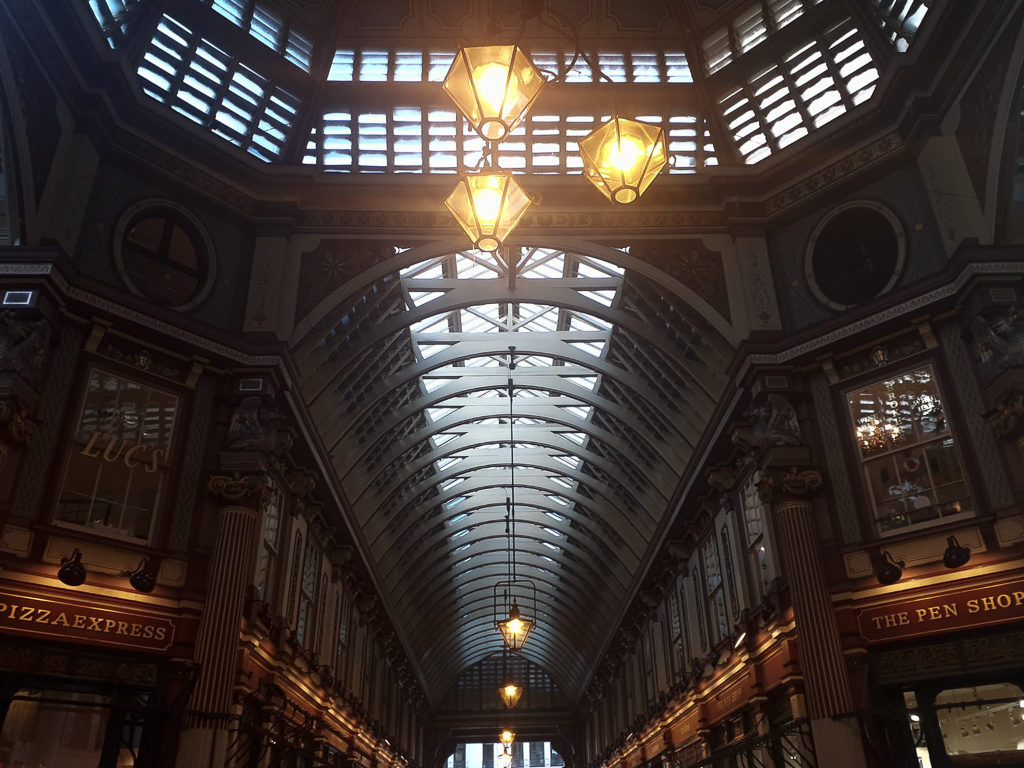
[[911, 464]]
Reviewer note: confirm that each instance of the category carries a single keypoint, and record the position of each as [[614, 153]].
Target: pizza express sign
[[963, 609], [71, 621]]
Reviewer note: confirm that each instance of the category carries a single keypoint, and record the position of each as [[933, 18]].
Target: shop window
[[163, 253], [63, 728], [267, 560], [714, 590], [293, 584], [914, 474], [979, 725], [305, 630], [117, 476], [760, 558]]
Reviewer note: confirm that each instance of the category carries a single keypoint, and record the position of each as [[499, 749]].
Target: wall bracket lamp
[[72, 571]]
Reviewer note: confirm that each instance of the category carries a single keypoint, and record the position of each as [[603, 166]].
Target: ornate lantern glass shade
[[504, 760], [506, 737], [494, 87], [515, 629], [622, 157], [510, 693], [488, 206]]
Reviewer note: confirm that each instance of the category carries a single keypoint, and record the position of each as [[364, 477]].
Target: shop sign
[[731, 698], [72, 621], [962, 609]]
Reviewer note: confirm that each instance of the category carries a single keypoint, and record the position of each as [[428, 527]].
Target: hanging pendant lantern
[[515, 629], [494, 87], [622, 157], [506, 737], [504, 759], [488, 206], [510, 694]]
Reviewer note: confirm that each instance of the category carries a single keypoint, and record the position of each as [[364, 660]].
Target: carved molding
[[247, 488], [15, 420], [796, 483], [1006, 420]]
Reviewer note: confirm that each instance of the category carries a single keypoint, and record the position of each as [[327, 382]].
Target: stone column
[[789, 495], [205, 738]]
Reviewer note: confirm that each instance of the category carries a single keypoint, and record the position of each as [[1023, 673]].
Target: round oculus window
[[164, 254], [855, 254]]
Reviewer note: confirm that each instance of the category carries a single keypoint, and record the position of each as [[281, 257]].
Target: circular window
[[856, 253], [164, 254]]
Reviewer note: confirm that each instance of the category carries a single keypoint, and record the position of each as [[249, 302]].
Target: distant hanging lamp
[[504, 759], [622, 157], [493, 86], [509, 691], [488, 205], [515, 629]]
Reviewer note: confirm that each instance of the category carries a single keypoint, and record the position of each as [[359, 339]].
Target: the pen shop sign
[[959, 609], [73, 621]]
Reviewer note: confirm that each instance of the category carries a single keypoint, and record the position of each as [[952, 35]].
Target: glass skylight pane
[[552, 547], [266, 27], [419, 298], [613, 65], [408, 66], [554, 515], [440, 63], [373, 66], [448, 461], [232, 10], [594, 348], [570, 461], [436, 414], [299, 50], [429, 350], [605, 298], [588, 383], [443, 438], [576, 437], [677, 68], [645, 68], [552, 531], [342, 66], [581, 411]]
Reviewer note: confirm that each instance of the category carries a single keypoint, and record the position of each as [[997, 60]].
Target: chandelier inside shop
[[494, 87]]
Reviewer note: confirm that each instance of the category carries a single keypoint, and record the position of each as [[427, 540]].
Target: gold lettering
[[161, 633], [921, 613], [94, 623], [147, 632], [79, 621], [14, 614], [1003, 601], [972, 606], [949, 609], [109, 625], [90, 448], [136, 630], [43, 616], [129, 456], [3, 607], [1018, 598], [122, 627], [154, 460], [988, 603], [108, 452], [62, 619], [26, 613]]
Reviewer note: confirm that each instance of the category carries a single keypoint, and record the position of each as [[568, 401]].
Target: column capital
[[245, 488], [778, 486]]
